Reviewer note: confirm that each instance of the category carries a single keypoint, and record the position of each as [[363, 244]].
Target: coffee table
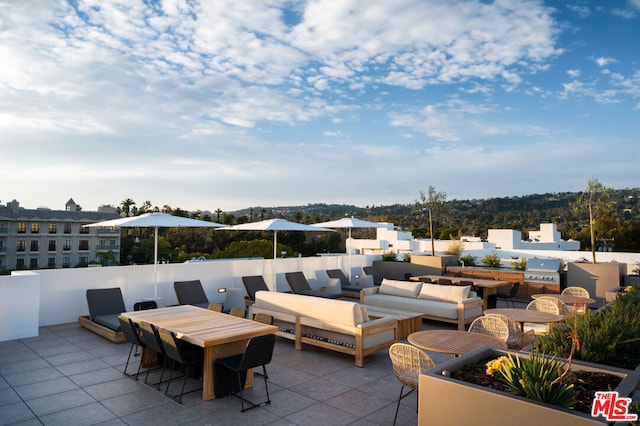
[[454, 342], [406, 322]]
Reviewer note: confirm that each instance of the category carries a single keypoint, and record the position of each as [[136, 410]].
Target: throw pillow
[[400, 288], [444, 293]]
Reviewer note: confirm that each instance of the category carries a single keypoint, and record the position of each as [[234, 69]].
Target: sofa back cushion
[[329, 310], [444, 293], [400, 288]]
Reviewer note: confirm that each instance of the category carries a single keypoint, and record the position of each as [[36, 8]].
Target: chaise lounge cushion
[[105, 306]]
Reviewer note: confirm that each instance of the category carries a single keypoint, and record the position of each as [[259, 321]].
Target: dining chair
[[491, 325], [576, 291], [263, 318], [133, 337], [184, 353], [508, 296], [215, 307], [408, 363], [258, 353], [237, 312], [546, 304], [151, 339], [518, 339]]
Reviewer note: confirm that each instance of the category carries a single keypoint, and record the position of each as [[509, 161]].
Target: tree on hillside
[[596, 201], [434, 203]]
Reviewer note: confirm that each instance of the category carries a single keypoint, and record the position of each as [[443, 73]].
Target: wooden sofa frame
[[358, 351]]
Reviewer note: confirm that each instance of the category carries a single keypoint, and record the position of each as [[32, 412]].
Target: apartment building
[[46, 238]]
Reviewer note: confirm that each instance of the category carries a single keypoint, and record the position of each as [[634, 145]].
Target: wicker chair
[[517, 338], [408, 363], [263, 318], [491, 325], [216, 307], [547, 304], [237, 312], [576, 291]]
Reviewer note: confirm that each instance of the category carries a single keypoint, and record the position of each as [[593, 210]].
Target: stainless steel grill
[[546, 271]]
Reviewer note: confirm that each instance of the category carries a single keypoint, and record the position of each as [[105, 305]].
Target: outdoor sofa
[[447, 303], [338, 325]]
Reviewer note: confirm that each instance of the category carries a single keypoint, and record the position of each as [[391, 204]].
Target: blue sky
[[231, 104]]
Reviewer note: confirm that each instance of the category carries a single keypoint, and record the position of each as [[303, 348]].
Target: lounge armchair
[[105, 306], [252, 284], [191, 293], [300, 285], [349, 289], [372, 271]]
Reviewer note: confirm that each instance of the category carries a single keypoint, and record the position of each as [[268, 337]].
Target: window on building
[[53, 228], [83, 245], [83, 260], [102, 244], [1, 247], [34, 245], [22, 227], [35, 228], [20, 246], [3, 226], [33, 263], [66, 262], [67, 228], [51, 262], [66, 245], [84, 230], [52, 245], [19, 263]]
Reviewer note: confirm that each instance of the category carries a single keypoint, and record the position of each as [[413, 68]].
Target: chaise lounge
[[300, 285], [105, 306]]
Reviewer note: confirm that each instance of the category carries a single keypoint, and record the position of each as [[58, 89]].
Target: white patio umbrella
[[350, 223], [275, 225], [155, 220]]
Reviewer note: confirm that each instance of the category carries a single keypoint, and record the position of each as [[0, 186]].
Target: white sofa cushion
[[444, 293], [400, 288], [432, 308]]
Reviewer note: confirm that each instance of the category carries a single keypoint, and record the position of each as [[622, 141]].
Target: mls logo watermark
[[612, 407]]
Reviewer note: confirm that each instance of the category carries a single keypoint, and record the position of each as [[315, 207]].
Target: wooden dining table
[[489, 287], [567, 299], [220, 334], [453, 342]]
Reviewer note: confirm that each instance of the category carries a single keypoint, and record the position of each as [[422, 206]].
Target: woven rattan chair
[[408, 363], [216, 307], [263, 318], [491, 325], [517, 338], [237, 312], [576, 291], [547, 304]]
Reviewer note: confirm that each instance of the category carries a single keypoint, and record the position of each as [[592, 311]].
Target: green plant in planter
[[537, 377], [519, 265], [389, 255], [609, 336], [406, 257], [468, 260], [491, 261]]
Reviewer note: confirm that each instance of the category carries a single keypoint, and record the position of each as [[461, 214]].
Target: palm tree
[[126, 205], [433, 202], [596, 201]]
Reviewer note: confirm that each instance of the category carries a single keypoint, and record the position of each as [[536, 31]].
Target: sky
[[230, 104]]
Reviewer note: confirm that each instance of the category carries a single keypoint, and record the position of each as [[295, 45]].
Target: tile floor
[[70, 376]]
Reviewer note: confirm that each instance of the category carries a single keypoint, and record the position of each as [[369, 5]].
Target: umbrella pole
[[349, 248], [275, 249], [155, 264]]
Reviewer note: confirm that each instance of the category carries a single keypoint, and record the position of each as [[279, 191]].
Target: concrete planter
[[443, 400]]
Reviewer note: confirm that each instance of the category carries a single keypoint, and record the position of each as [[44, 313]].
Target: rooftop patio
[[68, 375]]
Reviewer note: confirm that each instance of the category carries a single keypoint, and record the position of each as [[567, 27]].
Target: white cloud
[[603, 62], [573, 73]]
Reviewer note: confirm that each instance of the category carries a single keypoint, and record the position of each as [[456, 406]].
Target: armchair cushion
[[444, 293], [400, 288]]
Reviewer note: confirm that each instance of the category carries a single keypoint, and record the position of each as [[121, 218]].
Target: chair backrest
[[105, 301], [337, 273], [445, 281], [408, 363], [297, 281], [258, 352], [190, 292], [216, 307], [514, 289], [145, 305], [371, 270], [150, 337], [170, 346], [263, 318], [129, 331], [492, 325], [547, 304], [576, 291], [254, 283], [237, 312]]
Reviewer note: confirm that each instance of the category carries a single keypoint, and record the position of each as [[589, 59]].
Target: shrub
[[519, 265], [389, 255], [406, 257], [609, 336], [468, 260], [491, 261], [455, 247]]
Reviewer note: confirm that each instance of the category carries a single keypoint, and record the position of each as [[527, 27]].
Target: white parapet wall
[[19, 305]]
